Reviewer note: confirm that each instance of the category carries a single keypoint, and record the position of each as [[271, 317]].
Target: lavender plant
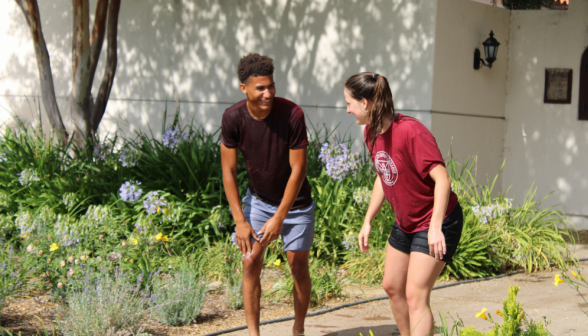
[[11, 278], [178, 300], [104, 304], [130, 191], [234, 279]]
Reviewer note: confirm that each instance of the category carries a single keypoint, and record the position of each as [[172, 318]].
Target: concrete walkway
[[539, 297]]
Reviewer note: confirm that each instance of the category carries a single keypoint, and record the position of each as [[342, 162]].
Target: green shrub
[[515, 322], [325, 283], [178, 299], [105, 303]]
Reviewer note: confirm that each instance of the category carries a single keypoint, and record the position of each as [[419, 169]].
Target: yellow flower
[[158, 209], [134, 241], [131, 261], [159, 236], [482, 314], [523, 316], [54, 247], [498, 312], [558, 280], [165, 211], [24, 236], [575, 275], [165, 238], [278, 262]]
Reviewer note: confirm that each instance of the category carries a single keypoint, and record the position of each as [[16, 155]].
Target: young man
[[270, 132]]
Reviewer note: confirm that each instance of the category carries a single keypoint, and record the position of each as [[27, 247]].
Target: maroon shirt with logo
[[265, 145], [403, 156]]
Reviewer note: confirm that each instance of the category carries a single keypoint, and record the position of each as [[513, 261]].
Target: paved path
[[539, 297]]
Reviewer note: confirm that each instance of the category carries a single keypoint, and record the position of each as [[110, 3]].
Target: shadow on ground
[[382, 330]]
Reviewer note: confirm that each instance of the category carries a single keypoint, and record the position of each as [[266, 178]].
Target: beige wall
[[467, 104], [189, 50], [547, 141]]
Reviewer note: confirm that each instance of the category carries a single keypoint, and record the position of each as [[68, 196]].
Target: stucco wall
[[188, 50], [547, 141], [467, 104]]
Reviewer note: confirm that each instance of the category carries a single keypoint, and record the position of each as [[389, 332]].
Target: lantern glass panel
[[490, 52]]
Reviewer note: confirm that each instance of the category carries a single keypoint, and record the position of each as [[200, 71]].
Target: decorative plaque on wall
[[558, 86]]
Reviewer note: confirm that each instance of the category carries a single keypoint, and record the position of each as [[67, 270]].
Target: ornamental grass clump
[[233, 277], [103, 304], [177, 300]]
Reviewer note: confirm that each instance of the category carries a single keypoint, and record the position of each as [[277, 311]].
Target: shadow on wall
[[188, 50], [545, 143]]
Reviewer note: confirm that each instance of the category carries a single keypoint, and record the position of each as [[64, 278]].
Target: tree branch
[[97, 37], [111, 61], [30, 10]]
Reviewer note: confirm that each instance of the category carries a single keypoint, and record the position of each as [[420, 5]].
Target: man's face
[[260, 92]]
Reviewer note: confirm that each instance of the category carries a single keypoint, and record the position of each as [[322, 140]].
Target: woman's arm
[[376, 202], [442, 180]]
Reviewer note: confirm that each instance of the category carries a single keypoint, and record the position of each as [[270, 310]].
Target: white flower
[[27, 177]]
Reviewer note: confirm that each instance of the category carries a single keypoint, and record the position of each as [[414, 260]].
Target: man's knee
[[299, 269], [252, 264]]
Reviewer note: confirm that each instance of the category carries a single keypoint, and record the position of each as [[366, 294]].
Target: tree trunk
[[80, 94], [31, 13], [111, 60]]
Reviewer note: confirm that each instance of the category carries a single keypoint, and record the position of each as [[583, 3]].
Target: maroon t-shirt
[[265, 145], [403, 156]]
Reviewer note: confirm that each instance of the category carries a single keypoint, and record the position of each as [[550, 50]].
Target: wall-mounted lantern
[[490, 49]]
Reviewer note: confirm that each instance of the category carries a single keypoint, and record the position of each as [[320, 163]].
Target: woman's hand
[[364, 234], [437, 248]]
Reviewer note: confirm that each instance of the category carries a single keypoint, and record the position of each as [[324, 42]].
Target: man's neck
[[256, 113]]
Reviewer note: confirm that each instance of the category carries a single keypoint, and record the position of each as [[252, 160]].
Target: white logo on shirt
[[386, 168]]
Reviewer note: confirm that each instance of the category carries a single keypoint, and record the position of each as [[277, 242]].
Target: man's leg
[[298, 261], [252, 265], [394, 283], [423, 271]]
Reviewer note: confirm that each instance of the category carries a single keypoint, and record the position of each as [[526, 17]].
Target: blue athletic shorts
[[297, 231]]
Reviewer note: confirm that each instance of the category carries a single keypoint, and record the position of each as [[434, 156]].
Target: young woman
[[413, 178]]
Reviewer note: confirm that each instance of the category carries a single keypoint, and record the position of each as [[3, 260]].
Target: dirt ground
[[561, 305]]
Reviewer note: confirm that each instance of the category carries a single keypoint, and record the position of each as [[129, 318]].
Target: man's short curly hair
[[254, 65]]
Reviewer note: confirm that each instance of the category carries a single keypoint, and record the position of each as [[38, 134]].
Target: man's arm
[[273, 227], [244, 229]]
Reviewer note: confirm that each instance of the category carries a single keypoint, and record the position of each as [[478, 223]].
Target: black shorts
[[419, 241]]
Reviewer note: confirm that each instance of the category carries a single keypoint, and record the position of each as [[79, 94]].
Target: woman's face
[[358, 108]]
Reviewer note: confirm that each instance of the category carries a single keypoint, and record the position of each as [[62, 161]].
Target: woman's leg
[[395, 273], [423, 271]]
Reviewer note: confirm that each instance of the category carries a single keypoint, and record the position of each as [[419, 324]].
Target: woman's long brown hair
[[376, 90]]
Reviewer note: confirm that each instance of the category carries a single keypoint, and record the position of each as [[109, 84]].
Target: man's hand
[[437, 248], [363, 237], [243, 235], [271, 229]]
